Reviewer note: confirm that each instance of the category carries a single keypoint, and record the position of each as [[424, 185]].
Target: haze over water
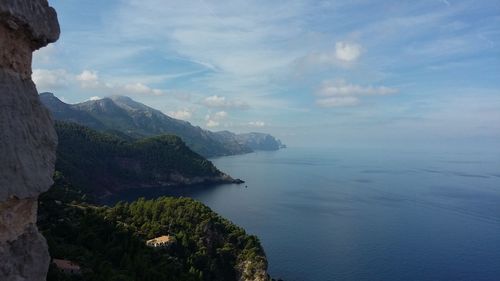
[[360, 214]]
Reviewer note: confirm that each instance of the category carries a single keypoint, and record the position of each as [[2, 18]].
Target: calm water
[[365, 215]]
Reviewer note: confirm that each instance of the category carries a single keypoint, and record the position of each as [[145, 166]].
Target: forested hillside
[[104, 163], [108, 243]]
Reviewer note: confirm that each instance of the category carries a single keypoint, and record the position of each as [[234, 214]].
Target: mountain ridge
[[136, 120]]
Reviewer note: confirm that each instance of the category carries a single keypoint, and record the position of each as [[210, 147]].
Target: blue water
[[350, 214]]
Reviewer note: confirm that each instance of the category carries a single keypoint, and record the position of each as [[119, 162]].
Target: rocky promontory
[[27, 138]]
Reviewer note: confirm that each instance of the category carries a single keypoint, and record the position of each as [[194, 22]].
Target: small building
[[67, 266], [161, 242]]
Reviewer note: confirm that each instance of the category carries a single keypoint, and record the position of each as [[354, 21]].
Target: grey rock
[[27, 139], [36, 17], [16, 215], [252, 270], [26, 258]]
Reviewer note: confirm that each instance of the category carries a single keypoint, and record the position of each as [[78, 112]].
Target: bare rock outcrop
[[27, 138], [255, 270]]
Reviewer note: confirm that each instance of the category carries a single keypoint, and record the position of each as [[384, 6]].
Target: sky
[[313, 73]]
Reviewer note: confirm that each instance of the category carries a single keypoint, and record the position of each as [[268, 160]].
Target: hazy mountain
[[260, 141], [122, 114], [256, 141]]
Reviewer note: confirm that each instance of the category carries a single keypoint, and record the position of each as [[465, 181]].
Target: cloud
[[337, 101], [212, 123], [51, 80], [94, 98], [140, 89], [341, 93], [182, 114], [213, 120], [223, 103], [257, 124], [221, 115], [344, 54], [341, 88], [233, 49], [347, 51], [88, 79]]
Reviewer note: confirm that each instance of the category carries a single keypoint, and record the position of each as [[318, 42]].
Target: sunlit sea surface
[[354, 214]]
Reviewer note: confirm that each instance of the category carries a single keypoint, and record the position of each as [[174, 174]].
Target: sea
[[363, 214]]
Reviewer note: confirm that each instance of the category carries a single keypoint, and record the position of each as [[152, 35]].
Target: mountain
[[103, 163], [260, 141], [119, 113], [122, 115], [64, 111], [256, 141]]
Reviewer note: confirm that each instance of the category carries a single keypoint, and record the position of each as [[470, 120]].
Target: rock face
[[27, 138], [252, 271]]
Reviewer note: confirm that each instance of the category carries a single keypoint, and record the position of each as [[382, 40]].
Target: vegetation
[[104, 162], [109, 242]]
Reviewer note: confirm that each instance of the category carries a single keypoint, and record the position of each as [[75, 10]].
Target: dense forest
[[105, 163], [109, 242]]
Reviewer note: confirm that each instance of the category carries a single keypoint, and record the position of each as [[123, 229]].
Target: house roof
[[161, 239]]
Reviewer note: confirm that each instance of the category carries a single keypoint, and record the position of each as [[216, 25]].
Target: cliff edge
[[27, 138]]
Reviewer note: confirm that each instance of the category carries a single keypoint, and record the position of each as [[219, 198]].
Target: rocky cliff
[[27, 138]]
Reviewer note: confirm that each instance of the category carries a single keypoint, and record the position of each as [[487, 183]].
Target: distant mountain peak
[[120, 98], [122, 114], [129, 104]]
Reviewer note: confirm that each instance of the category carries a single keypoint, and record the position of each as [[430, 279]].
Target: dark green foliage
[[104, 162], [109, 243]]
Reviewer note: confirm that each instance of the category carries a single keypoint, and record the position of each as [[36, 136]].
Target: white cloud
[[337, 101], [53, 80], [348, 52], [212, 123], [340, 93], [88, 79], [223, 103], [215, 101], [213, 120], [257, 124], [50, 80], [221, 115], [341, 88], [182, 114], [344, 55], [140, 89], [94, 98]]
